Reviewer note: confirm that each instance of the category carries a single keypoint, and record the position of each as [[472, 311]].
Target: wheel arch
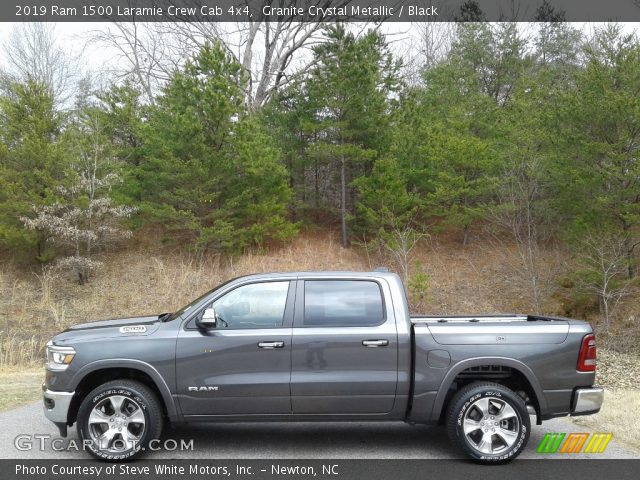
[[443, 395], [100, 372]]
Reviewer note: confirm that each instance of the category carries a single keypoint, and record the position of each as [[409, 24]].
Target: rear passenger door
[[344, 348]]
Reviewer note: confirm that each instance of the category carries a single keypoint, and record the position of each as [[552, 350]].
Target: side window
[[257, 305], [344, 303]]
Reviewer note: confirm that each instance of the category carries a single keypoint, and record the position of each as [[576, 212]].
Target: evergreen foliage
[[536, 133]]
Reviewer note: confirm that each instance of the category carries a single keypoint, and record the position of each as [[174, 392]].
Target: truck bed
[[500, 329], [489, 318]]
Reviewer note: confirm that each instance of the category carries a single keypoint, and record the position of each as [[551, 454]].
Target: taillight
[[587, 357]]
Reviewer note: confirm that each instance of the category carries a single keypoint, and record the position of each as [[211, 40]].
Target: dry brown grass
[[34, 306], [480, 279], [147, 280], [18, 387]]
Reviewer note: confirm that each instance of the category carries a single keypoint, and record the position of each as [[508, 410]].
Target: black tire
[[134, 398], [489, 435]]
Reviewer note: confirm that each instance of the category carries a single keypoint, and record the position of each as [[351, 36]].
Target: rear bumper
[[587, 401]]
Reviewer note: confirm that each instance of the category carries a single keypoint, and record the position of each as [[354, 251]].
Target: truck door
[[345, 348], [243, 366]]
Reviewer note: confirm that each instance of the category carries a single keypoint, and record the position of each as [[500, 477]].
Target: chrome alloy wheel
[[116, 424], [491, 425]]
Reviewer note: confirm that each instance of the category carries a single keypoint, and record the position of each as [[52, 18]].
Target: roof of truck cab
[[331, 274]]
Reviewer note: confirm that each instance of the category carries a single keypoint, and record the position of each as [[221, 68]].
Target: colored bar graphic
[[581, 443], [598, 443], [553, 443], [574, 442]]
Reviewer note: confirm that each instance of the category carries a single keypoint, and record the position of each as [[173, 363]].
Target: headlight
[[59, 358]]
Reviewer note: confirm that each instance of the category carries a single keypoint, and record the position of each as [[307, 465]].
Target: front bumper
[[56, 407], [587, 401]]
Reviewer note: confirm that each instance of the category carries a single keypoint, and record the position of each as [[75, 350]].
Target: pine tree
[[354, 78], [208, 170], [32, 163], [598, 172]]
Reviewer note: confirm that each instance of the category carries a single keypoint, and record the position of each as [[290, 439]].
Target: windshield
[[187, 307]]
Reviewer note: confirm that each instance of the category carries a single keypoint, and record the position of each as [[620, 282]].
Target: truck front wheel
[[117, 420], [488, 422]]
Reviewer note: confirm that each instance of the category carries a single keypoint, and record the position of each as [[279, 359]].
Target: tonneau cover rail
[[474, 319]]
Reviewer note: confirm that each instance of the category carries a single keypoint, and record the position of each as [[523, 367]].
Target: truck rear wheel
[[488, 422], [117, 420]]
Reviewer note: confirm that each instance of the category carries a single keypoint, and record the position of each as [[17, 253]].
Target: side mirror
[[209, 319]]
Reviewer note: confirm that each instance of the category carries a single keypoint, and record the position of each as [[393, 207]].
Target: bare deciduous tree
[[397, 239], [399, 243], [435, 41], [146, 52], [603, 262], [271, 51], [81, 227], [519, 214], [33, 53]]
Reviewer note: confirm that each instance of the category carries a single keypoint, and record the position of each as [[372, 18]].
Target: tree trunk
[[604, 303], [629, 247], [316, 190], [40, 249], [631, 267], [465, 235], [343, 203]]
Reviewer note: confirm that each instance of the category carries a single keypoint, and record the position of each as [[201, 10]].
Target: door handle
[[375, 343], [270, 345]]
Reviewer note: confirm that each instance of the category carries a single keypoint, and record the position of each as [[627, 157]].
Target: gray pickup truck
[[318, 346]]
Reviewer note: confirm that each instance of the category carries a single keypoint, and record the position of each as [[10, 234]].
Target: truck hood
[[116, 322], [108, 329]]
